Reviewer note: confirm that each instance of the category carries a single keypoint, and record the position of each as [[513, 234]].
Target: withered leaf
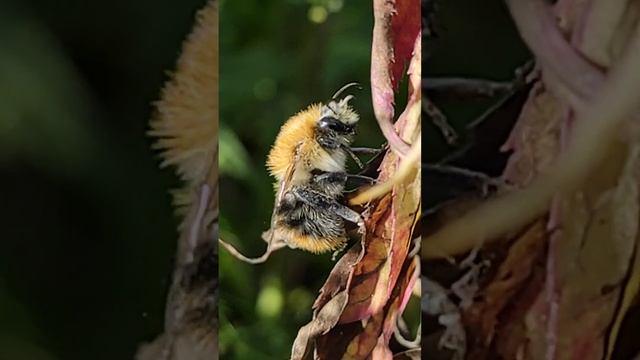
[[325, 319], [370, 337], [535, 139], [340, 276], [512, 274]]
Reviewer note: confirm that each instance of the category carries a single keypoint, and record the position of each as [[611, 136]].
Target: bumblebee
[[308, 160]]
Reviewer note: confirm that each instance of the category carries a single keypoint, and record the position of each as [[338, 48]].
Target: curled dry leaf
[[370, 338], [324, 320]]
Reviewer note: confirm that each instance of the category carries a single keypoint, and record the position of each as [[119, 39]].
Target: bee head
[[337, 123]]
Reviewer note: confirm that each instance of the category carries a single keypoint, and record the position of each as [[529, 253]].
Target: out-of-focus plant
[[568, 214], [186, 125]]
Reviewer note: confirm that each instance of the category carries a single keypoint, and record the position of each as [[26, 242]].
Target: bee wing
[[285, 183]]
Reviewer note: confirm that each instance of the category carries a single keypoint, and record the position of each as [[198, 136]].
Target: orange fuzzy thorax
[[299, 132]]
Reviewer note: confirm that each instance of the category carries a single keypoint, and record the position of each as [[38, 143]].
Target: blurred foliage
[[88, 232], [276, 58]]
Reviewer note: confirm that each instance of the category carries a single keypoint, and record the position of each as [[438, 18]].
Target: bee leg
[[312, 197], [351, 216], [366, 151], [320, 200], [354, 157], [331, 178], [340, 178], [374, 153], [367, 179]]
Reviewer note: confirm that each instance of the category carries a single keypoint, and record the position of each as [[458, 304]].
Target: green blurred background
[[87, 246], [276, 58]]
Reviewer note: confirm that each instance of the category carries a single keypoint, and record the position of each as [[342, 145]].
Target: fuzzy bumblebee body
[[308, 161]]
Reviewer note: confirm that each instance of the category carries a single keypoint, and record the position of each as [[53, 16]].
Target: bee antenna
[[351, 84], [346, 99]]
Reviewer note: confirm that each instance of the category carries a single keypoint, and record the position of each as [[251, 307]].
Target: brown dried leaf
[[372, 269], [396, 304], [482, 318], [340, 276], [535, 139], [597, 129], [391, 227], [369, 338], [593, 178], [324, 320]]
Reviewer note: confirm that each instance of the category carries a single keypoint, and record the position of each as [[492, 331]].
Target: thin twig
[[366, 151], [465, 87], [271, 248], [454, 170], [440, 121]]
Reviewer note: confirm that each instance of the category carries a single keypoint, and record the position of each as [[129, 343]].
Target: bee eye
[[328, 123], [334, 124]]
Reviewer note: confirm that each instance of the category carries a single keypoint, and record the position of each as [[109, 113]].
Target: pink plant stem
[[381, 77], [582, 79], [566, 65], [552, 286], [539, 30]]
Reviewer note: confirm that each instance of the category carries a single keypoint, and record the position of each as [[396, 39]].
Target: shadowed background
[[88, 238], [474, 40]]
